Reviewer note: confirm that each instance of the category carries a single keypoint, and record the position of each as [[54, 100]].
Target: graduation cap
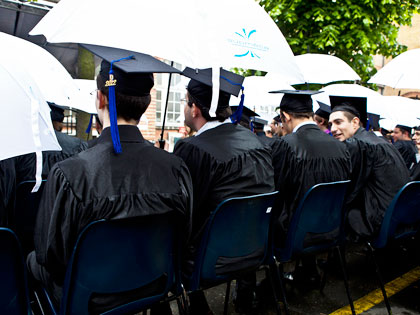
[[128, 73], [296, 101], [355, 105], [323, 111], [277, 119], [373, 120], [57, 112], [245, 115], [404, 128], [259, 123], [200, 88]]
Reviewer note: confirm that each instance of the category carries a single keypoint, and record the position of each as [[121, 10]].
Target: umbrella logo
[[245, 41]]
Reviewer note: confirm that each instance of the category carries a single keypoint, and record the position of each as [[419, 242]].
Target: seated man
[[404, 144], [225, 160], [302, 158], [322, 116], [122, 176], [378, 169]]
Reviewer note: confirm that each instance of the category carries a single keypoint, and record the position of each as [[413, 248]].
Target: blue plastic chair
[[112, 257], [25, 212], [236, 230], [14, 299], [401, 221], [319, 212]]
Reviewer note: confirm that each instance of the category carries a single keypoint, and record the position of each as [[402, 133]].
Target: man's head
[[200, 93], [401, 133], [344, 123], [295, 108], [57, 116], [348, 114], [416, 136], [322, 116], [276, 126], [132, 94]]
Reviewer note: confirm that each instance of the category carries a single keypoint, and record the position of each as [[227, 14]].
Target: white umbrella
[[53, 80], [196, 33], [323, 69], [403, 111], [257, 88], [376, 103], [86, 96], [25, 121], [402, 72]]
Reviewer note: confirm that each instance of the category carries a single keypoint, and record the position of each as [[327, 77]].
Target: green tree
[[353, 30]]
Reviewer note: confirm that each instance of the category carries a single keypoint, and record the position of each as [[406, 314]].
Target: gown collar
[[128, 133]]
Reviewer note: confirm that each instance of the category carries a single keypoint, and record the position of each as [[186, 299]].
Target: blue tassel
[[113, 108], [236, 116], [368, 125], [90, 124]]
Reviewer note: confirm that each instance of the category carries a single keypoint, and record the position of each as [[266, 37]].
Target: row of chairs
[[110, 256]]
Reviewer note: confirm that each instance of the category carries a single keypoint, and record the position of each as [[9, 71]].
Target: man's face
[[188, 114], [397, 134], [341, 127], [416, 137], [274, 126]]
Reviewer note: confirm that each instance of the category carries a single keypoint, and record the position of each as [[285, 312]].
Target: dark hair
[[322, 121], [221, 114], [128, 107], [298, 115], [350, 116]]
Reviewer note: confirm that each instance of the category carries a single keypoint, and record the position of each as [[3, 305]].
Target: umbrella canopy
[[24, 114], [53, 80], [376, 103], [86, 96], [323, 69], [403, 111], [401, 72], [198, 34]]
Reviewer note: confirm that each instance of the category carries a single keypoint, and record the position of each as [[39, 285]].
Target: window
[[173, 112]]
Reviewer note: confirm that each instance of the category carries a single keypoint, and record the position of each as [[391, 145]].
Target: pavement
[[399, 266]]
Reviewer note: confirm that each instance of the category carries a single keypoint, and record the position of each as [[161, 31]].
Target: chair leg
[[324, 274], [346, 284], [378, 275], [279, 273], [225, 310], [269, 275]]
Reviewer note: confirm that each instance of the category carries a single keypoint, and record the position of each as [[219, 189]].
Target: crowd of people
[[224, 159]]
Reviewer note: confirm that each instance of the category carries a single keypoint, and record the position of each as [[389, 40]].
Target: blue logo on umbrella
[[245, 42]]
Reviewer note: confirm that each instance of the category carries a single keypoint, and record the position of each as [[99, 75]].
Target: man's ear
[[103, 99], [356, 123], [286, 116], [195, 111]]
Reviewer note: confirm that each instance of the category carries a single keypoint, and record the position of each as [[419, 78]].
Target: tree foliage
[[354, 30]]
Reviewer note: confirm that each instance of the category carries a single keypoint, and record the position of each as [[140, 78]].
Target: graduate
[[304, 157], [415, 170], [122, 176], [322, 117], [225, 159], [402, 141], [378, 170]]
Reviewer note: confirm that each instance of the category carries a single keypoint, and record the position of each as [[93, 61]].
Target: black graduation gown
[[7, 189], [378, 173], [301, 160], [98, 184], [70, 145], [224, 162], [408, 152], [415, 172]]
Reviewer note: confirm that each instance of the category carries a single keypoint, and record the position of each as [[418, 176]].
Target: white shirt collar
[[212, 124], [303, 124]]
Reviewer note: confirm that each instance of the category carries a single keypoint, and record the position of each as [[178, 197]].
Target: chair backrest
[[13, 282], [117, 257], [402, 218], [26, 209], [235, 240], [319, 218]]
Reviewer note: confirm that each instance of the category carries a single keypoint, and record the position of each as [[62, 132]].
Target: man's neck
[[297, 122]]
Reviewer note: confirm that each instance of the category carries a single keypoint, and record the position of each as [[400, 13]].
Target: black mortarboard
[[128, 73], [374, 120], [200, 86], [417, 128], [57, 112], [296, 101], [323, 111], [403, 127], [246, 113], [355, 105], [259, 123], [277, 118]]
